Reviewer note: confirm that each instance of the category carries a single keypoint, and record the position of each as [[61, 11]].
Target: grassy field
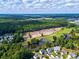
[[58, 34]]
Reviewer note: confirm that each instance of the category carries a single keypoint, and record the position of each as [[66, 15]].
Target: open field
[[59, 33]]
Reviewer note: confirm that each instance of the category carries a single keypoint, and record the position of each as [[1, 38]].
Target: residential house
[[64, 51], [67, 36], [56, 48], [43, 52], [73, 55], [49, 50], [57, 57], [42, 41], [78, 57]]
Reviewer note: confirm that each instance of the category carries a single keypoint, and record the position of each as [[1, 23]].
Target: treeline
[[29, 25], [14, 51]]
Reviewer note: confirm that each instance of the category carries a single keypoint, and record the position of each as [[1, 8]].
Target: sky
[[38, 6]]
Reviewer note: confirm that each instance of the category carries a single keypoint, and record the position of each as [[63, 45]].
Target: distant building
[[73, 55], [57, 48], [7, 37]]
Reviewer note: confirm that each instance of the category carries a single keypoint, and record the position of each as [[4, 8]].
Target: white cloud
[[69, 5], [38, 3], [44, 0]]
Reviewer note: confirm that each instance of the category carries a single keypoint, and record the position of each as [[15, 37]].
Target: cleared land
[[58, 34]]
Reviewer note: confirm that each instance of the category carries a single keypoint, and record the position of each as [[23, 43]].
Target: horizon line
[[34, 13]]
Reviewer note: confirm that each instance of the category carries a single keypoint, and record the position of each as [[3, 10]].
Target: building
[[73, 55], [7, 37], [49, 50], [57, 57], [57, 48], [42, 41], [64, 51], [43, 52]]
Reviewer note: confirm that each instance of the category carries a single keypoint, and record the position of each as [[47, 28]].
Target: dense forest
[[13, 25], [14, 51]]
